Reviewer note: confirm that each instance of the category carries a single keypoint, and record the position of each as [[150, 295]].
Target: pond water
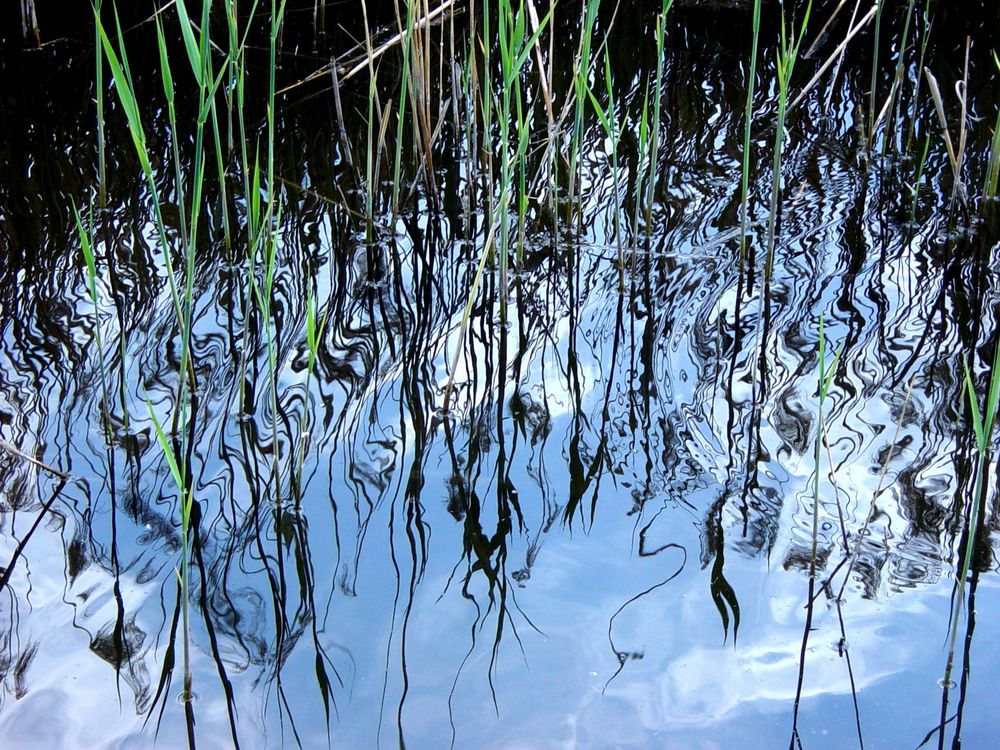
[[601, 533]]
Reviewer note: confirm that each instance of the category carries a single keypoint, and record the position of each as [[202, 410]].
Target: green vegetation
[[993, 165], [523, 125], [747, 125], [787, 54], [190, 197], [983, 424]]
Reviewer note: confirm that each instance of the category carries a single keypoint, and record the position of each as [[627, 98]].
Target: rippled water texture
[[606, 541]]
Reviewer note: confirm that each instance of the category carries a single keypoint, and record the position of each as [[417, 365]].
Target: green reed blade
[[747, 122], [191, 45], [168, 451], [993, 164], [168, 79], [977, 420], [993, 399], [88, 255]]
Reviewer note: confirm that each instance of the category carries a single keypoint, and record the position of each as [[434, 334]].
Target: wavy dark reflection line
[[678, 405], [623, 656]]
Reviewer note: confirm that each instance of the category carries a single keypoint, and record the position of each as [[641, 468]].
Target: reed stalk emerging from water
[[919, 178], [263, 292], [609, 121], [581, 84], [747, 123], [654, 150], [879, 6], [99, 97], [370, 144], [315, 327], [823, 390], [87, 248], [404, 94], [983, 423], [993, 165], [787, 54]]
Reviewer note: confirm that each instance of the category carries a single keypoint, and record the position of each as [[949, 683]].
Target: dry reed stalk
[[821, 35], [367, 59], [956, 157], [836, 54], [544, 75], [840, 59], [962, 92], [15, 451], [382, 148], [543, 72], [29, 21], [420, 95], [341, 130]]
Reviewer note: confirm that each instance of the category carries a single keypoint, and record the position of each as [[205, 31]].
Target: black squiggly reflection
[[425, 564]]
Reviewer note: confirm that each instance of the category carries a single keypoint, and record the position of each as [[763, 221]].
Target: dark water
[[606, 541]]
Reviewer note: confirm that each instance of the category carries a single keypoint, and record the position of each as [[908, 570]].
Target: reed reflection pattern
[[484, 421]]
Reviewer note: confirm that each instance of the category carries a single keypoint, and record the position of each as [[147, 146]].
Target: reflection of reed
[[594, 403]]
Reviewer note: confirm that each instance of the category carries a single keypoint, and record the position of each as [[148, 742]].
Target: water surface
[[606, 540]]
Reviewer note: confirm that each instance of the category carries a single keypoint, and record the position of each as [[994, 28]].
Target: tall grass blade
[[747, 125]]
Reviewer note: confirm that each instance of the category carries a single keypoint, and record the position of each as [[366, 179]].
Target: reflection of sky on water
[[685, 692], [682, 685], [683, 689], [636, 411]]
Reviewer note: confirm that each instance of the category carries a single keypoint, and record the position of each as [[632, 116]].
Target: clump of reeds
[[892, 102], [189, 172], [515, 45]]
